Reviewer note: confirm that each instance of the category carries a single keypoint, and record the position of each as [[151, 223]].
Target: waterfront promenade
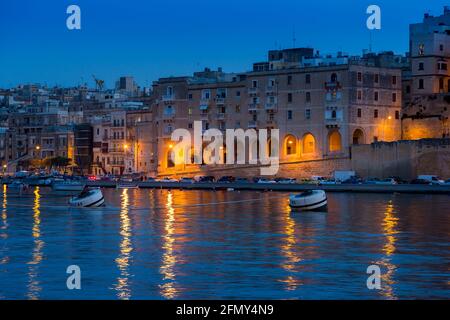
[[294, 187]]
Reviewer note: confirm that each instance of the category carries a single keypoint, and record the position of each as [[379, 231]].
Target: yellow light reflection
[[123, 260], [34, 287], [288, 250], [389, 225], [4, 228], [168, 289]]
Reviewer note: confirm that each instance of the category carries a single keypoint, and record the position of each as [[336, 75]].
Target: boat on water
[[91, 198], [38, 180], [308, 200], [68, 185]]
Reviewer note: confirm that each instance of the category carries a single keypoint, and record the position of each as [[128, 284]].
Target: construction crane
[[98, 83]]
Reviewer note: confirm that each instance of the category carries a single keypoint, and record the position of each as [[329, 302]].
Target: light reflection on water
[[176, 249]]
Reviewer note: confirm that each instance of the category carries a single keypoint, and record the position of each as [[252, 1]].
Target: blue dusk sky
[[151, 39]]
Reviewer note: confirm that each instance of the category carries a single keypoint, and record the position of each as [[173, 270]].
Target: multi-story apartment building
[[122, 142], [320, 105], [426, 88]]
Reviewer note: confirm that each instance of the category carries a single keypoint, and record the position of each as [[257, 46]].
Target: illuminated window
[[309, 143], [290, 145]]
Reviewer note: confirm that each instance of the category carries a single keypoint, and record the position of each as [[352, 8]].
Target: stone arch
[[334, 141], [309, 143], [358, 136], [290, 145]]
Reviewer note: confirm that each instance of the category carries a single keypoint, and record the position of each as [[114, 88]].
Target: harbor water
[[175, 244]]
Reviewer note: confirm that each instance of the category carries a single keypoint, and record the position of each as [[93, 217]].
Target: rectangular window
[[394, 97], [397, 114], [308, 79], [359, 112], [255, 83], [289, 114], [289, 97], [359, 95], [238, 108], [394, 80], [377, 78], [307, 114], [421, 66], [190, 96], [375, 97], [289, 80], [375, 113], [238, 93], [308, 97], [359, 77], [421, 84]]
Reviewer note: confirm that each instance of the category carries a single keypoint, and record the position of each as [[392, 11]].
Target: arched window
[[334, 141], [290, 145], [358, 137], [309, 144]]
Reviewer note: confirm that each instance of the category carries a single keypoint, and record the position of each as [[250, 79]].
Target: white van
[[431, 178]]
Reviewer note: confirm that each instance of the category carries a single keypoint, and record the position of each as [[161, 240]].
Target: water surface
[[160, 244]]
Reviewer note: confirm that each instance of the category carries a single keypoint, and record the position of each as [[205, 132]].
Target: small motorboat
[[68, 185], [91, 198], [308, 200]]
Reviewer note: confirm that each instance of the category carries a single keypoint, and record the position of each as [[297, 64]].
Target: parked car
[[399, 180], [168, 179], [372, 181], [285, 180], [206, 179], [226, 179], [388, 181], [353, 180], [241, 180], [447, 181], [187, 180], [150, 179], [265, 180], [431, 179], [419, 181]]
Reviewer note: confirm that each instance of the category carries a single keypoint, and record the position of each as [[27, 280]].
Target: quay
[[294, 187]]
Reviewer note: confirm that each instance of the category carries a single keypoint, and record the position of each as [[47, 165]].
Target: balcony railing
[[252, 124], [252, 91], [220, 101], [271, 106], [253, 107], [168, 97]]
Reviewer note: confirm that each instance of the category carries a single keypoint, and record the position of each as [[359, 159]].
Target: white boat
[[308, 200], [92, 198], [68, 185]]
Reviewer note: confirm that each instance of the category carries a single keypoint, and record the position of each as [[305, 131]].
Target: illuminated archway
[[335, 141], [309, 144], [290, 145]]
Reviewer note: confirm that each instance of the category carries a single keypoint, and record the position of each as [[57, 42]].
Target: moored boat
[[308, 200], [91, 198], [68, 185]]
